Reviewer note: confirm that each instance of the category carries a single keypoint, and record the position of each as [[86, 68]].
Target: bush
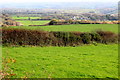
[[86, 38], [108, 37], [68, 38], [95, 37], [24, 37]]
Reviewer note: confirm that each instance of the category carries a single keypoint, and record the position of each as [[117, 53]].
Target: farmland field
[[57, 40], [28, 22], [74, 27], [15, 17], [86, 61]]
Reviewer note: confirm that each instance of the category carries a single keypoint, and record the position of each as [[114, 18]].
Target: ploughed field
[[88, 61]]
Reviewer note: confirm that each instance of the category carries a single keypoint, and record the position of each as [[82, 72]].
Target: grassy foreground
[[86, 61], [74, 27]]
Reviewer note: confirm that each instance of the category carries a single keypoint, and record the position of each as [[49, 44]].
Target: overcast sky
[[21, 1]]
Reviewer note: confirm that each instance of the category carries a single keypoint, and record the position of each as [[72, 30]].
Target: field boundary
[[44, 38]]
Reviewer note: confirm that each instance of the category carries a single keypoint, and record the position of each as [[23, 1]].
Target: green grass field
[[15, 17], [75, 27], [28, 22], [86, 61]]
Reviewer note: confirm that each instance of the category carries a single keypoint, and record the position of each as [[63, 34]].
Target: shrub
[[108, 37], [68, 38], [86, 38], [95, 37], [24, 37]]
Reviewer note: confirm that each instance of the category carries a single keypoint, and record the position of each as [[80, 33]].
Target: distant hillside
[[64, 10], [61, 5], [109, 10]]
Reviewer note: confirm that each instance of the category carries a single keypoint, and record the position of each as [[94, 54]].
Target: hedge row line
[[43, 38], [63, 22]]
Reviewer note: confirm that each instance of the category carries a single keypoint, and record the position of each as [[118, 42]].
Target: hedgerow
[[64, 22], [44, 38]]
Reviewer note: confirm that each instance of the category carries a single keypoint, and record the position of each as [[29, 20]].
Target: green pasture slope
[[74, 27], [86, 61], [15, 17], [28, 22]]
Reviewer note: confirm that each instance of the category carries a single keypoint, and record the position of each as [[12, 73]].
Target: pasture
[[88, 61], [74, 27], [15, 17], [28, 22]]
